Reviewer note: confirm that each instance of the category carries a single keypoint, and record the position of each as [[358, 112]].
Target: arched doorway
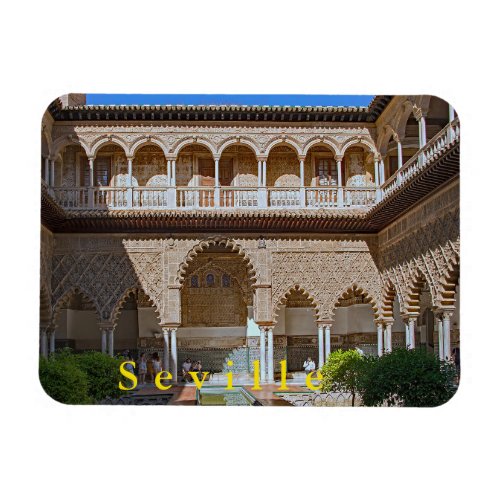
[[216, 310], [295, 333]]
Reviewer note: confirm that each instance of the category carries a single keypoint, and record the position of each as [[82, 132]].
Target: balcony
[[365, 199], [164, 198]]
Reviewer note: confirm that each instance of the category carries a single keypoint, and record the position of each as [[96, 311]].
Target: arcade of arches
[[215, 299], [200, 284]]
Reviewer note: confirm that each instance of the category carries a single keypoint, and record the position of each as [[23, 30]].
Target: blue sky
[[249, 99]]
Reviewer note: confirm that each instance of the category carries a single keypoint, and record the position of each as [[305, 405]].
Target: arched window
[[194, 281], [210, 280], [226, 280]]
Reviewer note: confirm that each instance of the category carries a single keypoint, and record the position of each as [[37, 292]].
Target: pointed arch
[[204, 244], [411, 298], [352, 290], [63, 299], [386, 306], [296, 288], [446, 293], [118, 307]]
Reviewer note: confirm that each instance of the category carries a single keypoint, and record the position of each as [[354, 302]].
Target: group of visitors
[[189, 366]]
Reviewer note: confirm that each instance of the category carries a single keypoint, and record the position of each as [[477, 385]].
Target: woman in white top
[[309, 365], [156, 365]]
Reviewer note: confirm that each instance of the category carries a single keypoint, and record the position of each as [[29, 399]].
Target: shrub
[[103, 374], [407, 378], [63, 381], [342, 372]]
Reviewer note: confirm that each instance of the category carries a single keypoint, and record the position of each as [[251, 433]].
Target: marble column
[[111, 334], [400, 154], [407, 333], [91, 172], [376, 169], [340, 190], [380, 338], [166, 349], [388, 337], [270, 356], [321, 348], [52, 173], [422, 131], [327, 341], [440, 336], [104, 343], [173, 180], [259, 173], [52, 341], [43, 341], [262, 353], [447, 335], [382, 171], [411, 332], [169, 172], [302, 191], [47, 174], [217, 184], [264, 173], [173, 353], [129, 183]]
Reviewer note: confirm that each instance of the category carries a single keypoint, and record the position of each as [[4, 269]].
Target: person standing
[[156, 365], [309, 365], [143, 368]]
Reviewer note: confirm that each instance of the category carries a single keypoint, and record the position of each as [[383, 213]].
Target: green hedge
[[85, 378], [414, 378]]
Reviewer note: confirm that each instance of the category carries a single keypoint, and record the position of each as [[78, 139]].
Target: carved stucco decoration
[[325, 277], [107, 277], [430, 253]]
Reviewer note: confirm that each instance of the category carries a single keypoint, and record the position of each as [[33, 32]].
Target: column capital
[[339, 157], [261, 158], [169, 326], [216, 157], [170, 157], [302, 157], [106, 326]]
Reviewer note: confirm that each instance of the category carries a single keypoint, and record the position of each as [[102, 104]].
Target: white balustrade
[[238, 197], [142, 197], [321, 197], [196, 197], [359, 196], [286, 197], [447, 137]]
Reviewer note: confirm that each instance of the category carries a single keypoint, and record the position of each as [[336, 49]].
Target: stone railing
[[187, 197], [422, 158], [234, 197]]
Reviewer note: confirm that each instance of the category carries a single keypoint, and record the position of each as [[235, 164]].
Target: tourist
[[143, 368], [129, 366], [156, 365], [186, 368], [309, 365]]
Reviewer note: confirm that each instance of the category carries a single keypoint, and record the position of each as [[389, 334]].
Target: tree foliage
[[414, 378], [342, 372], [63, 381], [85, 378]]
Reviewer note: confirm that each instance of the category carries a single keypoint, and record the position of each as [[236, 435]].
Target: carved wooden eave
[[440, 172], [345, 114]]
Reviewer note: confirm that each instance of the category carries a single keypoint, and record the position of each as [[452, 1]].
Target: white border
[[54, 47]]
